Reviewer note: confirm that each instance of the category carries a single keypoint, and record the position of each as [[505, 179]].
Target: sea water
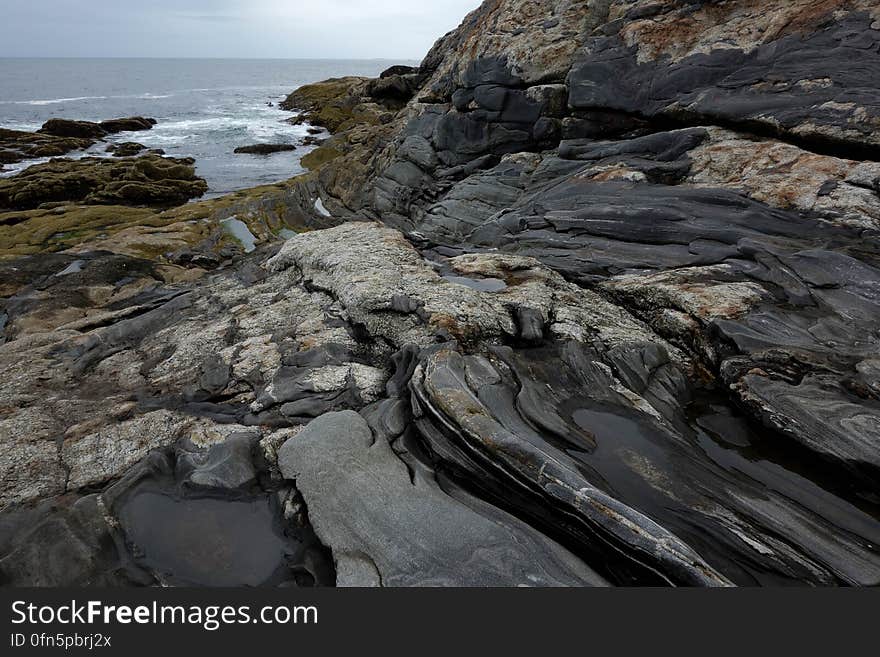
[[205, 108]]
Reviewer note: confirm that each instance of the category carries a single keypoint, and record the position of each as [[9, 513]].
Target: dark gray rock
[[126, 149], [76, 129], [227, 465], [265, 149], [398, 69], [385, 528], [558, 421], [67, 542], [128, 124]]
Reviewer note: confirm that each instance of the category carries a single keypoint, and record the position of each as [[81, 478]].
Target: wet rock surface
[[388, 527], [265, 149], [91, 130], [591, 297], [16, 146]]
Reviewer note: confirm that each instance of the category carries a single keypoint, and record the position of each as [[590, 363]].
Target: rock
[[596, 286], [502, 421], [398, 69], [265, 149], [147, 180], [312, 141], [386, 529], [18, 146], [399, 88], [190, 235], [386, 286], [758, 77], [785, 176], [91, 130], [130, 124], [126, 149], [29, 463], [75, 129], [226, 465], [78, 537], [333, 104], [99, 456]]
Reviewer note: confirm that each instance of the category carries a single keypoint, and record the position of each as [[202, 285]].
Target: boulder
[[129, 124], [17, 146], [265, 149], [126, 149], [75, 129], [149, 180]]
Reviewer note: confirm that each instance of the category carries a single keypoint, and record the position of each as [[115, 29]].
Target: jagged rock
[[388, 529]]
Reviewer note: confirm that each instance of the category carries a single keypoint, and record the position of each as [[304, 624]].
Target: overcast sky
[[226, 28]]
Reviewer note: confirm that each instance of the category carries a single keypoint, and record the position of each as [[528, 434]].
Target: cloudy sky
[[403, 29]]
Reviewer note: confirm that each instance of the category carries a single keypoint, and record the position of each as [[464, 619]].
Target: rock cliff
[[594, 299]]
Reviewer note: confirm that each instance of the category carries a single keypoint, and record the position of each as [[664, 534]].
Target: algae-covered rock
[[150, 180], [16, 146], [128, 124], [264, 149]]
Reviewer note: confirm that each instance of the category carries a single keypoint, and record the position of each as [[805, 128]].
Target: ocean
[[205, 108]]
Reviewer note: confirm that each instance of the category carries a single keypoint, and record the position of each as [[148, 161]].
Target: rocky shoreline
[[592, 297]]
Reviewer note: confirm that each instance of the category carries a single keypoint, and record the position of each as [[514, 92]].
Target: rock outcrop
[[265, 149], [590, 297], [91, 130], [18, 146], [150, 180]]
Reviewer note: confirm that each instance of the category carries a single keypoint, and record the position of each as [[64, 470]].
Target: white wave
[[52, 101], [219, 123], [75, 99]]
